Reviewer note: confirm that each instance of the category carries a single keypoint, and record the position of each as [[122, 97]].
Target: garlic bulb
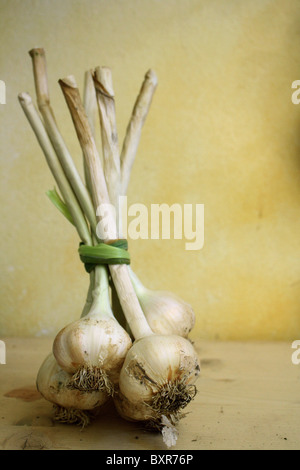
[[94, 347], [165, 312], [157, 378], [71, 405]]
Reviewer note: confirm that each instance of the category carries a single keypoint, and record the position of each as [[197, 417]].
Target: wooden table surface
[[248, 398]]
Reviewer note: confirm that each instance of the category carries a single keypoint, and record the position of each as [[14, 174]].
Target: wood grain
[[248, 398]]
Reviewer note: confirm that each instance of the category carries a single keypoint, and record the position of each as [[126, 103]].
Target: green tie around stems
[[104, 253]]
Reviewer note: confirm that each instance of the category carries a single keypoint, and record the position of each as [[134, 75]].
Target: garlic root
[[72, 416], [91, 378]]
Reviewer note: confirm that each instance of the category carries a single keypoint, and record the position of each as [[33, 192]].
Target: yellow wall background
[[222, 131]]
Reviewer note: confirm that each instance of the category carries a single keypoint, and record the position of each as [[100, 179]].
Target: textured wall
[[222, 131]]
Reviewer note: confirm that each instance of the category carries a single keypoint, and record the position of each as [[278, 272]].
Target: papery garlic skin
[[92, 341], [153, 420], [165, 312], [132, 411], [52, 382], [158, 367]]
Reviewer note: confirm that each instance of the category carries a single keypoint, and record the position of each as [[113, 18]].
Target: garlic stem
[[98, 297], [90, 106], [164, 311], [89, 99], [100, 294], [55, 167], [109, 136], [130, 304], [89, 297], [43, 100], [103, 90], [134, 128], [139, 288]]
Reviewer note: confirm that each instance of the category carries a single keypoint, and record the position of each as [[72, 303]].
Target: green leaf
[[59, 204]]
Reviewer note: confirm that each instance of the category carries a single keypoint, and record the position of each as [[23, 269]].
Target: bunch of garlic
[[151, 373]]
